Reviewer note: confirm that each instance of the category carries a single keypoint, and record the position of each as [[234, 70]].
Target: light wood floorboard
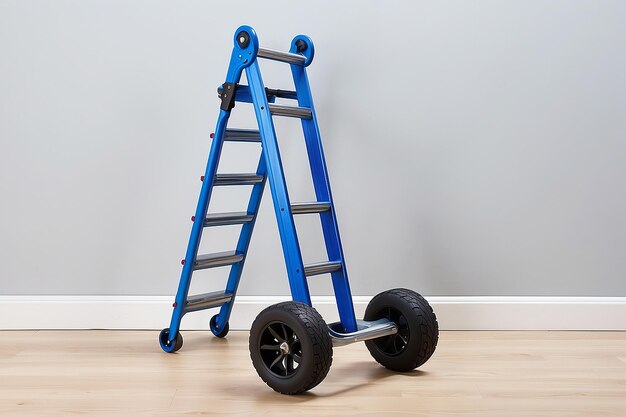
[[124, 373]]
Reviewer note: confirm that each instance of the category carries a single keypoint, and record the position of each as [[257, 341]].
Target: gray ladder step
[[214, 260], [290, 111], [208, 300], [237, 179], [242, 135], [321, 268], [307, 208], [224, 219]]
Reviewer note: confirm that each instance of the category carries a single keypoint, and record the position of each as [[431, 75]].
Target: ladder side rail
[[321, 185], [278, 187], [243, 243], [198, 225], [238, 61]]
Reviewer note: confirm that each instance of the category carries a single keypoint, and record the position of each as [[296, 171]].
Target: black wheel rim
[[165, 335], [396, 343], [280, 349], [164, 338]]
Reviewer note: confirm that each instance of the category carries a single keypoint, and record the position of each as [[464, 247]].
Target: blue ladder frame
[[245, 56]]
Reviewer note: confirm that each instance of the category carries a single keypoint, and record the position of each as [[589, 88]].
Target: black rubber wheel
[[173, 345], [418, 331], [213, 325], [290, 347]]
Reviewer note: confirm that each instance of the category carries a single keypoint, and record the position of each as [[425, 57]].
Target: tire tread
[[428, 325], [320, 342]]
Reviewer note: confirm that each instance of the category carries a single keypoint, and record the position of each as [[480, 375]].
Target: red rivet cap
[[182, 262], [202, 178], [193, 218], [212, 135]]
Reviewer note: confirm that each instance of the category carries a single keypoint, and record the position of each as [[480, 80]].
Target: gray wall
[[475, 148]]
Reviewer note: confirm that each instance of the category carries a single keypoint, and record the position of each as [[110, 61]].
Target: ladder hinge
[[228, 96]]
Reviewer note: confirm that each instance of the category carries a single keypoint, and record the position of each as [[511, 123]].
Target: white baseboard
[[454, 313]]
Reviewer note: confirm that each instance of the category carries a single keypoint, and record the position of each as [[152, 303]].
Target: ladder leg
[[278, 186], [321, 184], [242, 246], [196, 229]]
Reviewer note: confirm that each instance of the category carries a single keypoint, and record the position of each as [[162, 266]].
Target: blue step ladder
[[291, 346], [245, 56]]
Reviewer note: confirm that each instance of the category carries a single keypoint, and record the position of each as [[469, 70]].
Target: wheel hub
[[395, 344], [281, 350]]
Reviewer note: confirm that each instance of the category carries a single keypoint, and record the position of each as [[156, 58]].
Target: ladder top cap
[[303, 45], [247, 44]]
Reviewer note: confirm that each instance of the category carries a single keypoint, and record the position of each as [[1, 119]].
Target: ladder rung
[[271, 92], [213, 260], [242, 135], [289, 111], [321, 268], [223, 219], [307, 208], [287, 57], [208, 300], [237, 179]]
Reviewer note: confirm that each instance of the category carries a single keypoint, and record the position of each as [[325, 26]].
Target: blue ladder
[[291, 346], [245, 56]]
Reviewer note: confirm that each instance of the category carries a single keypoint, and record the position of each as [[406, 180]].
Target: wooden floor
[[124, 373]]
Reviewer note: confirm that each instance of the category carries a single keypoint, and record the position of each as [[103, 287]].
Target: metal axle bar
[[367, 330], [286, 57]]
